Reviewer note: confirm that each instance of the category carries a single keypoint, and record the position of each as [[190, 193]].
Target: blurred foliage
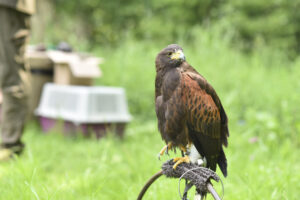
[[109, 21], [272, 22]]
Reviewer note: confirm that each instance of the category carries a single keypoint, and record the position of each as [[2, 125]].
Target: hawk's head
[[170, 57]]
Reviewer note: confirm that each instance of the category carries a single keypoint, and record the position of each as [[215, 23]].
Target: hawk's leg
[[165, 149], [183, 148]]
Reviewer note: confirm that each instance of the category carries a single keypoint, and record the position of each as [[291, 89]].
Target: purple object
[[70, 128], [47, 123]]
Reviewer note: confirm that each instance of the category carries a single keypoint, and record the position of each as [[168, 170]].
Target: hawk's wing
[[209, 90], [206, 119]]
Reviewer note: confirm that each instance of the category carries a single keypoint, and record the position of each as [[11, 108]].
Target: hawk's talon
[[158, 156], [165, 150], [180, 160]]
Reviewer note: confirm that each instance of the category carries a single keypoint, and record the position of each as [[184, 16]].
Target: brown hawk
[[189, 111]]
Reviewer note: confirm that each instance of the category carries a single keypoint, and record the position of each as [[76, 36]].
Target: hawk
[[189, 112]]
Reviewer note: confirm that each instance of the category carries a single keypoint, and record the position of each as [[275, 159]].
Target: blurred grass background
[[255, 72]]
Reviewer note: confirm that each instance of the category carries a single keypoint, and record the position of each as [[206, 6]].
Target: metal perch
[[198, 176]]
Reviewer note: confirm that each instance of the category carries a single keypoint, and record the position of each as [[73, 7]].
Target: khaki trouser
[[14, 30]]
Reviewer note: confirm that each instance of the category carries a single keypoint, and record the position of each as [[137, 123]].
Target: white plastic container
[[83, 105]]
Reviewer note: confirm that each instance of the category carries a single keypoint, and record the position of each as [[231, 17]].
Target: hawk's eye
[[170, 53]]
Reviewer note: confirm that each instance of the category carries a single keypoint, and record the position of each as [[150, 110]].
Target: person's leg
[[13, 77]]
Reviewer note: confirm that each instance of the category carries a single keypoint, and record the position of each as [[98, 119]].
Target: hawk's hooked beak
[[178, 55]]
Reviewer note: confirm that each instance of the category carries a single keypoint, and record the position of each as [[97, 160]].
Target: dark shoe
[[15, 148]]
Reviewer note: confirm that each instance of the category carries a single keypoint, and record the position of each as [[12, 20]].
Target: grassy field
[[260, 93]]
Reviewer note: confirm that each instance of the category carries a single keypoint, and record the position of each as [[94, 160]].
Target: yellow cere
[[177, 54]]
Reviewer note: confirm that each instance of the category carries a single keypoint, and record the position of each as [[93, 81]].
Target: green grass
[[54, 167], [260, 93]]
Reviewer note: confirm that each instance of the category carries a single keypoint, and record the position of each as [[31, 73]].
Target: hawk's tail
[[222, 162]]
